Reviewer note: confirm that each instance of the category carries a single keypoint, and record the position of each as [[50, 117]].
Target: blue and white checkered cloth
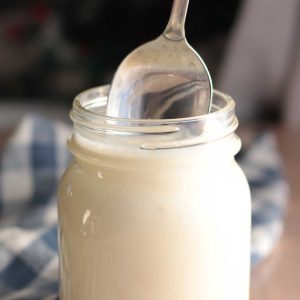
[[31, 164]]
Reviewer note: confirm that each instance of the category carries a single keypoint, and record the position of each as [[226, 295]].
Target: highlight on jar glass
[[153, 208]]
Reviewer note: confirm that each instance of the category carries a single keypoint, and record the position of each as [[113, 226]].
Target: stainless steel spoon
[[162, 79]]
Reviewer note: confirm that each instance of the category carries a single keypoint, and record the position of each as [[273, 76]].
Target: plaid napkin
[[31, 165], [263, 167]]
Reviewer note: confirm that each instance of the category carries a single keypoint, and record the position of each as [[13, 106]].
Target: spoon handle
[[175, 28]]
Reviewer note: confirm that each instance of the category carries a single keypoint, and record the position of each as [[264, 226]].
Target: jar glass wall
[[153, 209]]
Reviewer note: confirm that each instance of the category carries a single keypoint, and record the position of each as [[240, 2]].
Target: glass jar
[[153, 209]]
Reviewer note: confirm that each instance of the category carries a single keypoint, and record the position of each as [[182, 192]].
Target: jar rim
[[78, 105], [89, 108]]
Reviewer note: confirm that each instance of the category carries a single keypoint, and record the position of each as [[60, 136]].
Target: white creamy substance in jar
[[170, 224]]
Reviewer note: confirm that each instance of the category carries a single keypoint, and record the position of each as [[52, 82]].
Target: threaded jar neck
[[90, 121]]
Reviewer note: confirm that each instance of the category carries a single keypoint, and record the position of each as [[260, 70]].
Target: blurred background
[[52, 50]]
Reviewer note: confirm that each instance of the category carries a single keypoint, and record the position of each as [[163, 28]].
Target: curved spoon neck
[[175, 29], [174, 34]]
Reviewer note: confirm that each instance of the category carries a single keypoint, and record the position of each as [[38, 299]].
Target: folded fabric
[[262, 165], [32, 162], [31, 165]]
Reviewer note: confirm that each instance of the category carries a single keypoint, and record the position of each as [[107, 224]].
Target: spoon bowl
[[162, 79]]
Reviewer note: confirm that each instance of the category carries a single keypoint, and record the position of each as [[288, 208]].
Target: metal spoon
[[162, 79]]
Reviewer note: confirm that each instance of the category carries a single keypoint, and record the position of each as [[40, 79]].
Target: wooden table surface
[[278, 276]]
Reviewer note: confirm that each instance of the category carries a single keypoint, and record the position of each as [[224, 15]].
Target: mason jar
[[153, 209]]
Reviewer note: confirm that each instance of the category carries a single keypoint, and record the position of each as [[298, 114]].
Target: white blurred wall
[[262, 62]]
